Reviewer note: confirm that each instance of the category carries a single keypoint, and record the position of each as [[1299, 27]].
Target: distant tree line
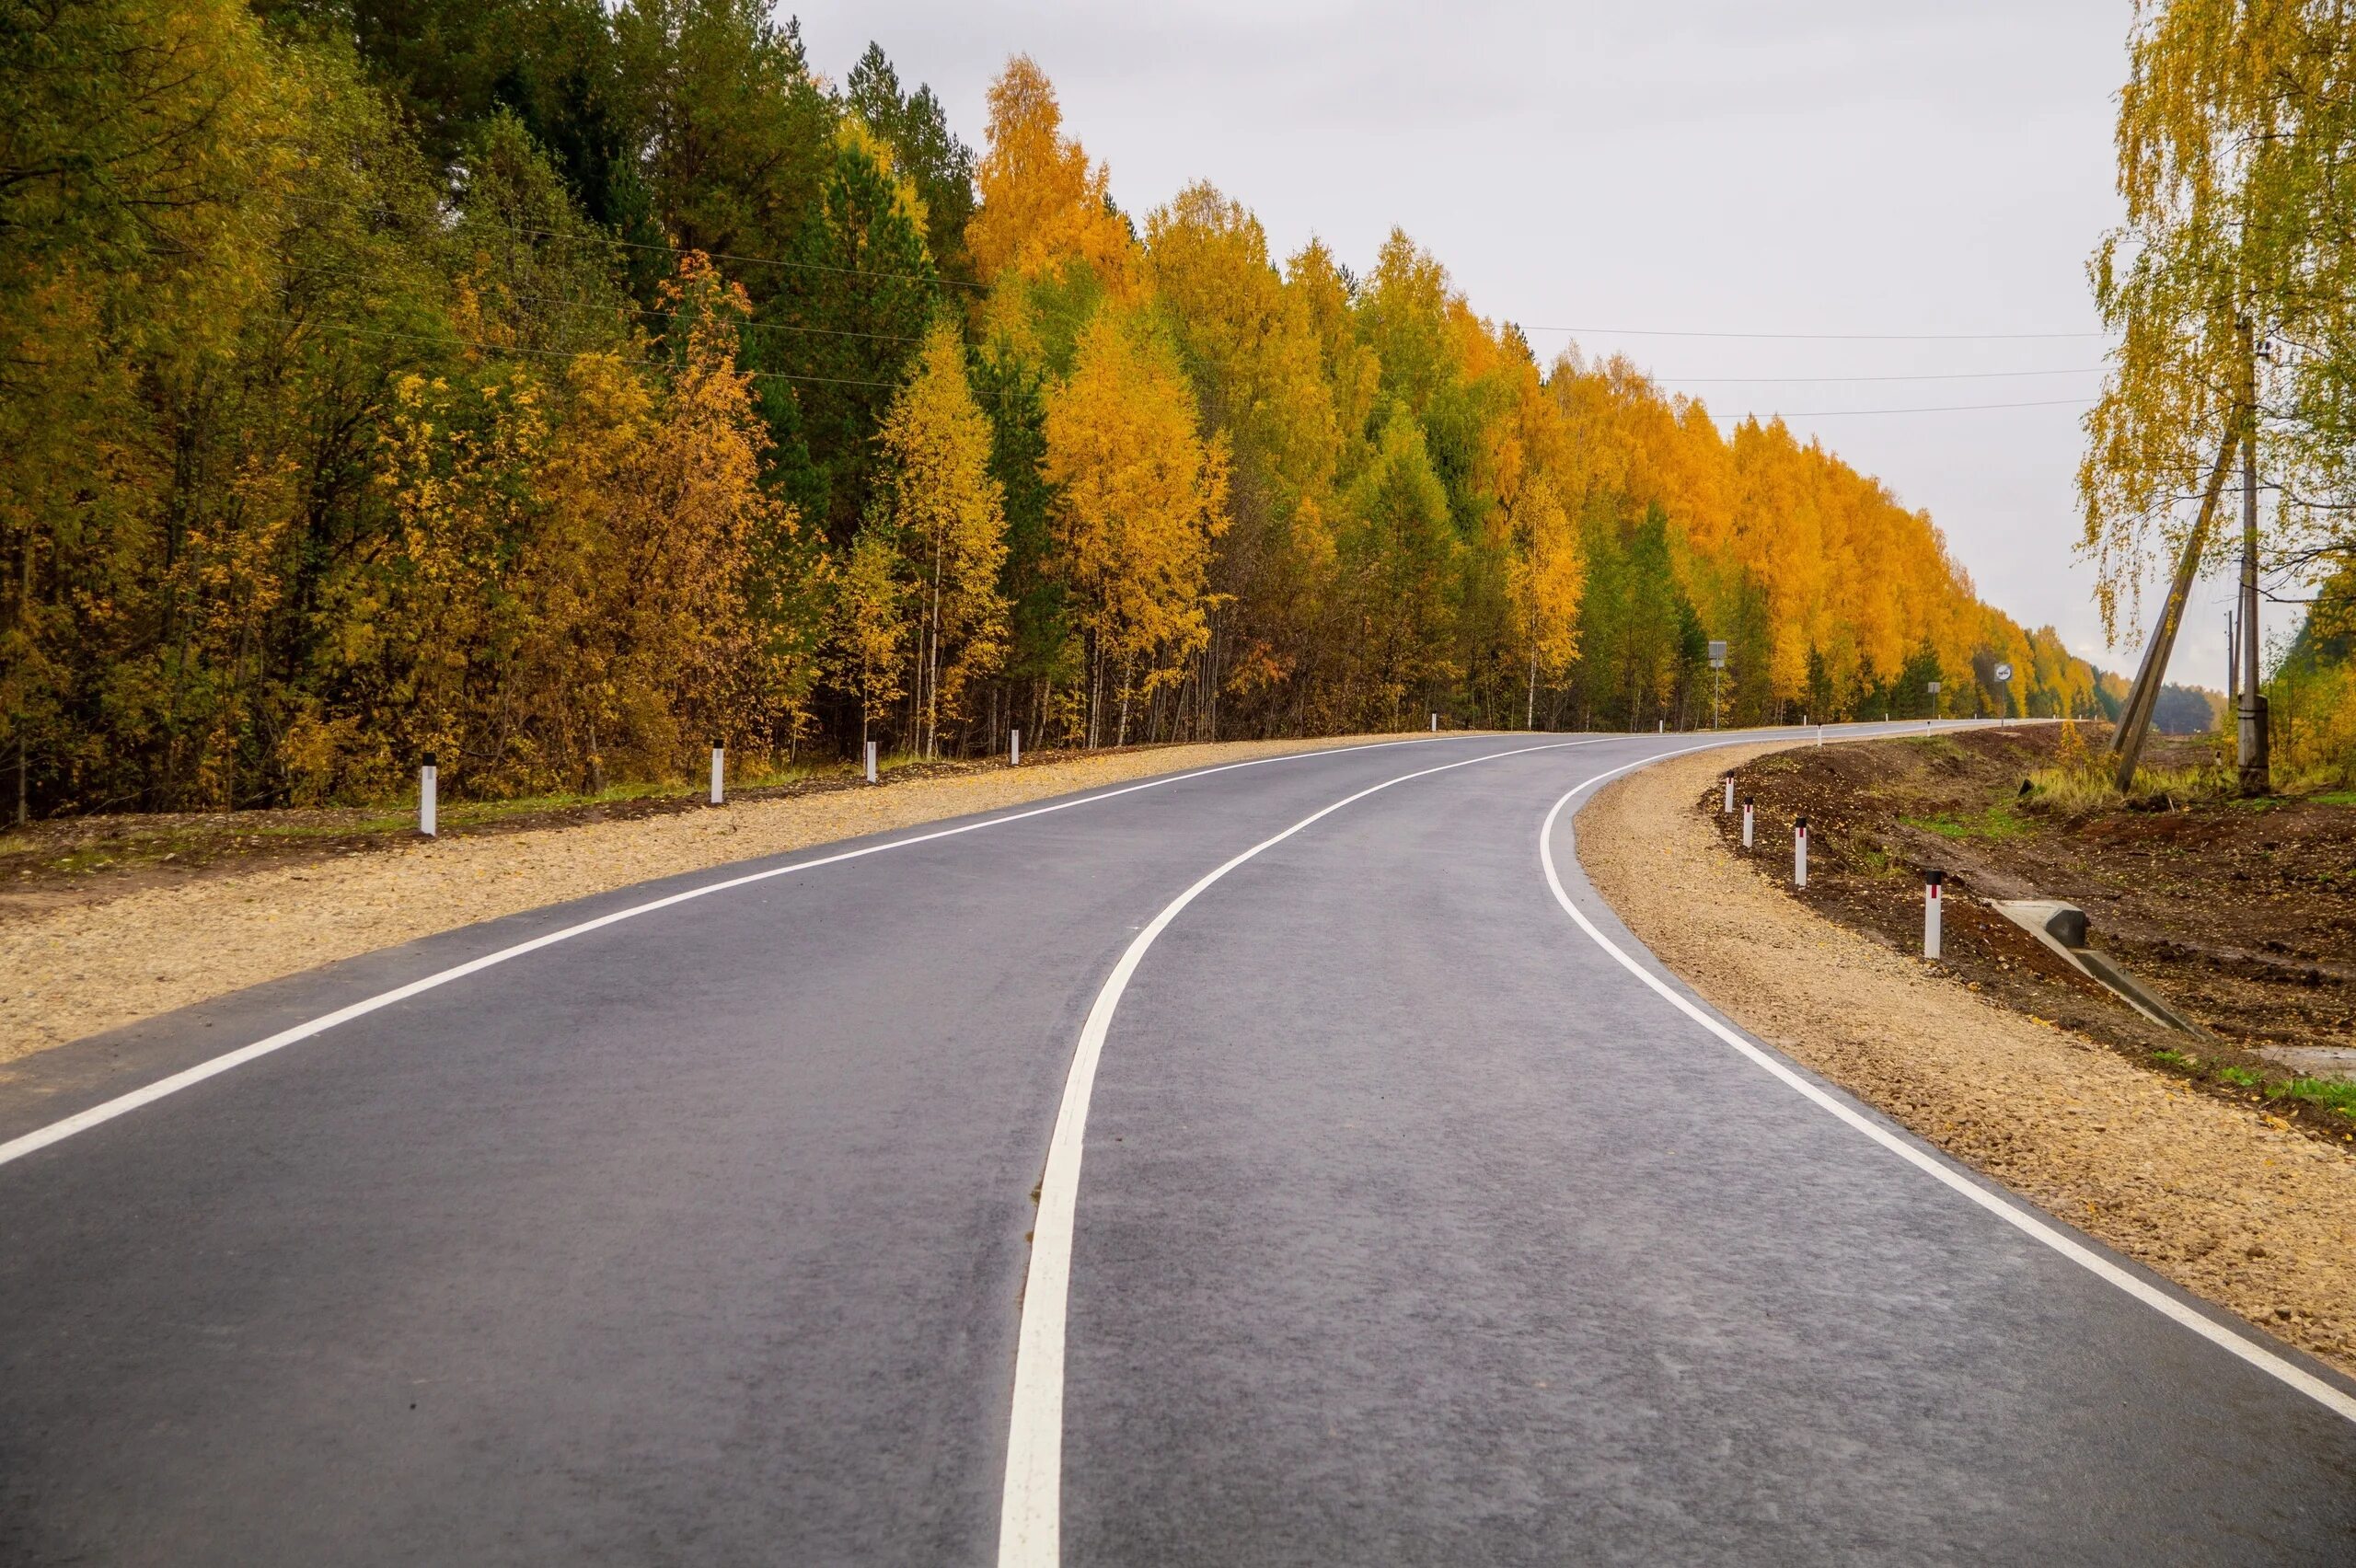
[[557, 387]]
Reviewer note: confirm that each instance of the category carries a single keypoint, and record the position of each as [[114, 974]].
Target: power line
[[577, 305], [1796, 380], [607, 239], [1942, 409], [348, 330], [1821, 337], [593, 307]]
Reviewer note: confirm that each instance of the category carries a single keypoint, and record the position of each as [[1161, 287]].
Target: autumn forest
[[559, 390]]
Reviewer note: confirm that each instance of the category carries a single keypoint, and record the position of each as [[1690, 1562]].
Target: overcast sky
[[1706, 166]]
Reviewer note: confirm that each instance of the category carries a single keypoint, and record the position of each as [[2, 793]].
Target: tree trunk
[[933, 674]]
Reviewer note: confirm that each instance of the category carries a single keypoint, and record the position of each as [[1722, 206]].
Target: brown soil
[[2243, 915], [113, 944], [2245, 1210]]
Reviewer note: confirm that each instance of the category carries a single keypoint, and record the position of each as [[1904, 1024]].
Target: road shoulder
[[2256, 1218], [71, 973]]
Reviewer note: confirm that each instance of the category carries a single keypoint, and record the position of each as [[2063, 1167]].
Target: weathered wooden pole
[[2126, 742]]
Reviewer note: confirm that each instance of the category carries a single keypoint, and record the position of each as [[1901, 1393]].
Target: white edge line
[[1031, 1506], [2009, 1210], [55, 1132]]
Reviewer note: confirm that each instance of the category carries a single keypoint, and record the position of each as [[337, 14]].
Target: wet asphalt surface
[[1410, 1229]]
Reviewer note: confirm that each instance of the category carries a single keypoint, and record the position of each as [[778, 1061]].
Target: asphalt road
[[1412, 1228]]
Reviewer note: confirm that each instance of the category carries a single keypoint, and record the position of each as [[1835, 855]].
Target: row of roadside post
[[1934, 882], [428, 780]]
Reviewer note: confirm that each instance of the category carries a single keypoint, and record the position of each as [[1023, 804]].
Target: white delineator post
[[1435, 723], [426, 777], [1799, 853], [870, 762], [1930, 880], [719, 761], [1746, 825], [1014, 748], [1728, 807]]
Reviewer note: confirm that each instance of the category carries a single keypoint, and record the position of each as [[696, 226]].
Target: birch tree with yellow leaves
[[1044, 206], [1547, 577], [947, 516], [1140, 495]]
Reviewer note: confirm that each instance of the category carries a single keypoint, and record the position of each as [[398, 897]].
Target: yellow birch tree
[[948, 516], [1140, 495]]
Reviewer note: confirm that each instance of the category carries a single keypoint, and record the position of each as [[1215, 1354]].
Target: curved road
[[1400, 1221]]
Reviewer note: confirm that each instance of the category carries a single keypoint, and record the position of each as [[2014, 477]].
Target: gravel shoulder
[[2246, 1211], [87, 966]]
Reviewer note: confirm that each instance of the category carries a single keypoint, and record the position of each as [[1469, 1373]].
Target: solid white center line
[[1030, 1526]]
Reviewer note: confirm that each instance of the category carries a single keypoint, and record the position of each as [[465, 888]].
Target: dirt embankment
[[95, 952], [2241, 913], [2248, 1211]]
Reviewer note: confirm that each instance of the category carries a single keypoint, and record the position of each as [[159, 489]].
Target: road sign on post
[[2003, 693], [1717, 663], [1931, 717]]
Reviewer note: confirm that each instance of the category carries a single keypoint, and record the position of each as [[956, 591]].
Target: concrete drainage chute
[[2062, 927]]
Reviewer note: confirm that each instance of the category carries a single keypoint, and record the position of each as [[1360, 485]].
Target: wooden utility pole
[[2126, 742], [2251, 752], [2233, 663]]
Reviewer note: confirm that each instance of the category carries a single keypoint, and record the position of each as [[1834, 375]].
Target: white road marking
[[1030, 1528], [17, 1147], [2013, 1213]]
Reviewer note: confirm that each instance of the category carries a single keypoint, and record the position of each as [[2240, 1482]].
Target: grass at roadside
[[2262, 1087], [1996, 823]]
